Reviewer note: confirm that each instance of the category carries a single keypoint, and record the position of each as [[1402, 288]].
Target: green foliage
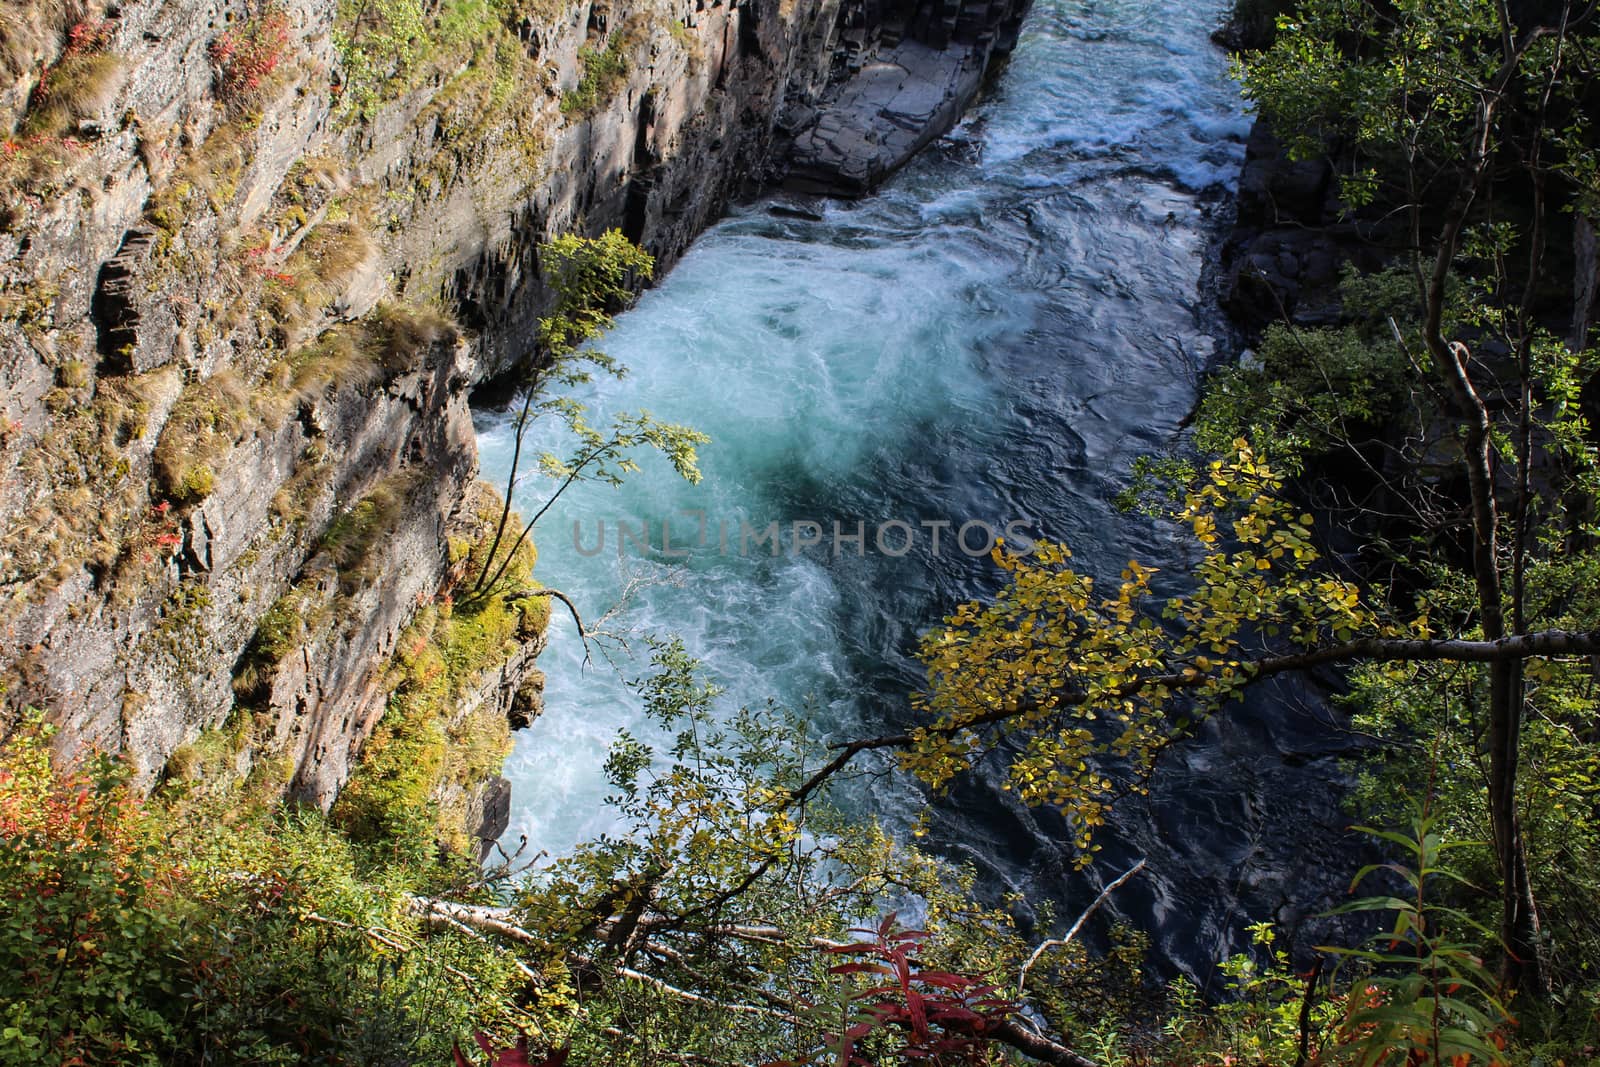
[[1431, 713], [1409, 994], [604, 71], [708, 842], [210, 926], [419, 745], [1311, 391], [716, 923], [589, 278], [1260, 1021], [1357, 74], [214, 930], [379, 42], [608, 456], [389, 47], [399, 795], [86, 930], [1429, 998], [1314, 86]]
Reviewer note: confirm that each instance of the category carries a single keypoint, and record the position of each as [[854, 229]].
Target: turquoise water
[[992, 338]]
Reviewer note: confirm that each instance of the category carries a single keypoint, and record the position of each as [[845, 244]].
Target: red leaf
[[860, 968], [919, 1016]]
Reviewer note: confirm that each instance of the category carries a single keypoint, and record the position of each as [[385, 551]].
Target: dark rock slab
[[1292, 239], [490, 814], [881, 117], [897, 95], [120, 305]]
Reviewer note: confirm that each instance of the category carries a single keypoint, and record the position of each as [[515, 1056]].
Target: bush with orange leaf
[[89, 923]]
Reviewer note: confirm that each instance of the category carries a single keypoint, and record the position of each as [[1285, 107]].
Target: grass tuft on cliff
[[604, 71]]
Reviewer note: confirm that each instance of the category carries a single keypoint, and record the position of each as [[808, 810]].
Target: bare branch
[[1066, 939], [496, 921], [532, 594]]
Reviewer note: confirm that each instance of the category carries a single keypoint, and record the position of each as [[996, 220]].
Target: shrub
[[196, 929], [90, 914], [422, 744], [384, 40], [246, 60]]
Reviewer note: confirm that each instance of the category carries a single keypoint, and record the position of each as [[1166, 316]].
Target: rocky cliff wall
[[255, 258]]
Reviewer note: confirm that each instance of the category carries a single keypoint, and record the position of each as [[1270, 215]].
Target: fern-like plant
[[1429, 998]]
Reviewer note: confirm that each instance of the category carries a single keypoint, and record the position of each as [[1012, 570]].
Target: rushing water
[[993, 337]]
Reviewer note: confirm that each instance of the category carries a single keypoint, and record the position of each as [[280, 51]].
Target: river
[[992, 338]]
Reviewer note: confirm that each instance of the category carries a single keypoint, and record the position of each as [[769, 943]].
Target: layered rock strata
[[256, 258]]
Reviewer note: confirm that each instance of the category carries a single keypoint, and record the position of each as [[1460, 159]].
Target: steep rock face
[[257, 256], [905, 72]]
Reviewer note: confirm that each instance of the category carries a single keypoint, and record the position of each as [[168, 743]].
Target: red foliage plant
[[159, 534], [942, 1017], [246, 59]]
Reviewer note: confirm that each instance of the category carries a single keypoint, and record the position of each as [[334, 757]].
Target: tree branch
[[572, 609], [1364, 650], [1035, 1047], [1066, 939]]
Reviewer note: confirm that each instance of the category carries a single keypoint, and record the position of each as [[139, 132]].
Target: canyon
[[257, 259]]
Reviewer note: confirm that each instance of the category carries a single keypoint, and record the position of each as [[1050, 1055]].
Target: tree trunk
[[1585, 281], [1519, 922], [1521, 967]]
